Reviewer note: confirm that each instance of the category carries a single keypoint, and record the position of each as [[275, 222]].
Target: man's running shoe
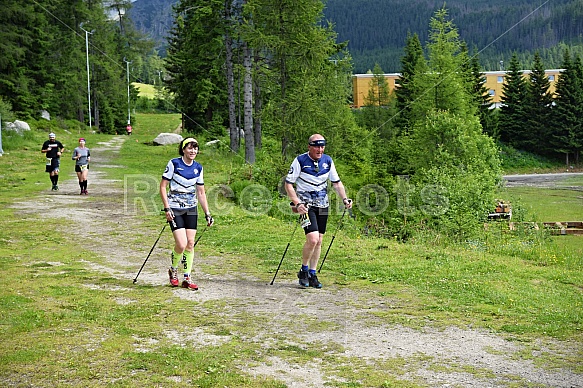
[[173, 275], [82, 192], [85, 192], [187, 283], [303, 276], [314, 281], [54, 188]]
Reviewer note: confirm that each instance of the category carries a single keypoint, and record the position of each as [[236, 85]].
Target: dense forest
[[376, 30], [70, 59]]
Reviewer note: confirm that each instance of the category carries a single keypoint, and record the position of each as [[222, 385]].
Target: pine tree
[[475, 81], [306, 71], [453, 164], [195, 63], [443, 87], [536, 131], [512, 115], [567, 110], [376, 103], [412, 63]]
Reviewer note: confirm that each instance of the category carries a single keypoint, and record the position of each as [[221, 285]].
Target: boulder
[[166, 138], [18, 126], [45, 115]]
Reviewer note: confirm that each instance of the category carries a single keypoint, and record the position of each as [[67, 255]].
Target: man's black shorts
[[318, 219]]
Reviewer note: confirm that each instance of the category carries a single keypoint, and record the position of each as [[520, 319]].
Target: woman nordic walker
[[82, 156], [310, 173], [184, 177]]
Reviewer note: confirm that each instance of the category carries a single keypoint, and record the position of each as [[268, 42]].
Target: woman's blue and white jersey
[[311, 178], [183, 181]]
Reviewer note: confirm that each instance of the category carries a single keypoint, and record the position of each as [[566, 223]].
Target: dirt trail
[[347, 314]]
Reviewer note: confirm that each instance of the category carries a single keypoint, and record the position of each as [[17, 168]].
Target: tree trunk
[[233, 130], [258, 106], [567, 159], [248, 106]]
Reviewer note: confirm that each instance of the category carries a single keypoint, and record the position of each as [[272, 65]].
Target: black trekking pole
[[333, 237], [284, 252], [199, 236], [153, 246]]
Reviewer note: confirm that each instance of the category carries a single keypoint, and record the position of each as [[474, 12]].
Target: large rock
[[45, 115], [167, 138], [18, 126]]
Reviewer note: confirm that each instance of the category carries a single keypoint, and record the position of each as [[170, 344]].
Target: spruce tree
[[475, 82], [195, 62], [454, 166], [376, 103], [579, 129], [567, 111], [307, 73], [512, 115], [412, 63], [536, 130]]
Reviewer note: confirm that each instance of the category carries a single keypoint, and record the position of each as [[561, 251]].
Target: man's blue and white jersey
[[311, 178], [183, 181]]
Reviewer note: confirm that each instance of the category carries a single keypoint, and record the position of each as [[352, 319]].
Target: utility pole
[[88, 76], [1, 151], [128, 78]]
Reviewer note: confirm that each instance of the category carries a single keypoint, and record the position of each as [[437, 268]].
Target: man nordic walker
[[184, 177], [53, 150], [310, 173]]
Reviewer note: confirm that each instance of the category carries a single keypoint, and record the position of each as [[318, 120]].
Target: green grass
[[62, 322], [145, 90]]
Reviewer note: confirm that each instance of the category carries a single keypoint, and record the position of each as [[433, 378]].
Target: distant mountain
[[154, 18], [377, 29]]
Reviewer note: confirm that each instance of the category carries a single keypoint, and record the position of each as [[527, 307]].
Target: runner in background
[[53, 150], [82, 156]]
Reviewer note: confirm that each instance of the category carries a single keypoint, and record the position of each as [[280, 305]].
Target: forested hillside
[[377, 29]]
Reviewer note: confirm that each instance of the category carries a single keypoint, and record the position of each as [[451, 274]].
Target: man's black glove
[[209, 220]]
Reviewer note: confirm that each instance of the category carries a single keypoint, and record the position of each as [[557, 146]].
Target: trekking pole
[[333, 237], [199, 236], [153, 246], [284, 252]]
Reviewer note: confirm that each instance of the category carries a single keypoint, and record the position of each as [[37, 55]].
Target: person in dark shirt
[[53, 150]]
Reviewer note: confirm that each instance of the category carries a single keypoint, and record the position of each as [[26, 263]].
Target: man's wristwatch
[[166, 209]]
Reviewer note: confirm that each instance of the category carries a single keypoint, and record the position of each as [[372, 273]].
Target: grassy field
[[65, 323], [145, 90]]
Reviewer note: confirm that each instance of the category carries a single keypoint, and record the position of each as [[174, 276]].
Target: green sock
[[176, 258], [188, 259]]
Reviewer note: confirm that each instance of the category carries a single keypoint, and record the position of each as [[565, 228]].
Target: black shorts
[[53, 164], [318, 220], [184, 219], [80, 168]]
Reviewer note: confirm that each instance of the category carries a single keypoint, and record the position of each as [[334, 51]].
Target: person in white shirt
[[310, 172]]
